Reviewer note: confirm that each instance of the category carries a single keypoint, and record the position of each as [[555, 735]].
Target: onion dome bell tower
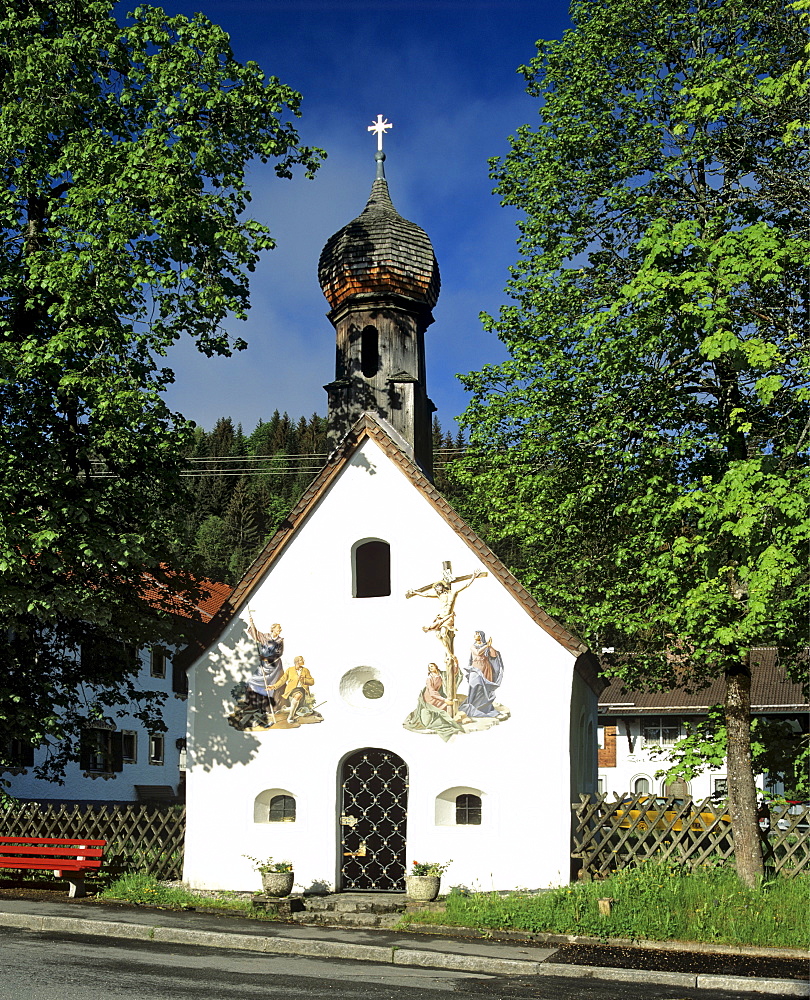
[[380, 277]]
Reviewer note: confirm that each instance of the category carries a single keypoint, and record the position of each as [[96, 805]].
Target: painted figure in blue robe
[[270, 647], [484, 674]]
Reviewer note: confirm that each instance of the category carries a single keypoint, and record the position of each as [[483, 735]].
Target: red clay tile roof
[[203, 607], [771, 690], [368, 427]]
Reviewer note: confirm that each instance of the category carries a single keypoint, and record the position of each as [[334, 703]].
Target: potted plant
[[424, 879], [277, 876]]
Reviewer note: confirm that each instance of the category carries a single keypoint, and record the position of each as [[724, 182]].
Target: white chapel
[[379, 689]]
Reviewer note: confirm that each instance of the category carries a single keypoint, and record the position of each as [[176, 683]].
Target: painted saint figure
[[484, 674], [431, 714], [296, 696], [270, 647]]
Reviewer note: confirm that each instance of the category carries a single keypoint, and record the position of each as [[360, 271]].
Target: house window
[[664, 730], [369, 352], [179, 679], [677, 789], [372, 569], [19, 753], [157, 662], [282, 809], [600, 786], [468, 810], [101, 751], [641, 786], [129, 746], [719, 788], [157, 748]]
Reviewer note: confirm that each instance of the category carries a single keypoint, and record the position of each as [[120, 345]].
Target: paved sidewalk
[[357, 944]]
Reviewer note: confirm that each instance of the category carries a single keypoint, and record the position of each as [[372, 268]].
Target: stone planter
[[278, 884], [424, 888]]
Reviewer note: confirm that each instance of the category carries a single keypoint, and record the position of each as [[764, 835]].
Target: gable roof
[[771, 691], [369, 427]]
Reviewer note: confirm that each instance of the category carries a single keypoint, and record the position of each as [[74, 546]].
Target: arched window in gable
[[371, 569]]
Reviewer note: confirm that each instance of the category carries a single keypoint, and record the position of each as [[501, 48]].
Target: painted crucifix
[[444, 624]]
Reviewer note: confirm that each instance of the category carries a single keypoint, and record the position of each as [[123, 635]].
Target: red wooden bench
[[66, 858]]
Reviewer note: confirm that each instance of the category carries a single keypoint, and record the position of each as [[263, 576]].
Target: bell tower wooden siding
[[380, 276], [380, 368]]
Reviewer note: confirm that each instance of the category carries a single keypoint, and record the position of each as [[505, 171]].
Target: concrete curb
[[390, 955]]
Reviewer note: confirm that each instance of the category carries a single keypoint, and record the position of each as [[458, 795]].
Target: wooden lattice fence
[[139, 837], [609, 835]]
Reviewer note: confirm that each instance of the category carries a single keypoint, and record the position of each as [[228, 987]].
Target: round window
[[373, 689]]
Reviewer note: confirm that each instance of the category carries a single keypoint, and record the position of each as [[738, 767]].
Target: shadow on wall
[[219, 687]]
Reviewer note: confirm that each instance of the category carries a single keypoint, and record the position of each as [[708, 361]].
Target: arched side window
[[679, 789], [369, 352], [282, 809], [468, 810], [461, 805], [641, 786], [274, 805], [371, 569]]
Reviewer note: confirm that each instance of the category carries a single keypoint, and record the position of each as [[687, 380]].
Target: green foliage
[[646, 444], [777, 750], [655, 901], [268, 865], [641, 460], [144, 890], [436, 868], [123, 151]]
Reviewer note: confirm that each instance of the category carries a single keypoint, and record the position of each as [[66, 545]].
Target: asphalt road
[[37, 966]]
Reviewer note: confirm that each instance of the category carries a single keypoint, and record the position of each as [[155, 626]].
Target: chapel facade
[[379, 689]]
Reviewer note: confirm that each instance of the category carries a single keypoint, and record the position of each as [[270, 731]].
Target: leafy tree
[[123, 151], [644, 450], [778, 749]]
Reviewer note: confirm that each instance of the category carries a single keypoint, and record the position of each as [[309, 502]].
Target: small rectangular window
[[129, 746], [101, 751], [720, 787], [157, 661], [157, 750], [665, 730]]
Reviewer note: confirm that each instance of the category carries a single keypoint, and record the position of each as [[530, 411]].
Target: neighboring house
[[379, 688], [633, 723], [120, 760]]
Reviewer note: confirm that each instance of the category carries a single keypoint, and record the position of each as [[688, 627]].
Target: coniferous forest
[[242, 486]]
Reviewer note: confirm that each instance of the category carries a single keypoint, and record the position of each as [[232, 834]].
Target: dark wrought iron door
[[373, 819]]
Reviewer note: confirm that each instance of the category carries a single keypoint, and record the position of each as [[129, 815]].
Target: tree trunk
[[742, 793]]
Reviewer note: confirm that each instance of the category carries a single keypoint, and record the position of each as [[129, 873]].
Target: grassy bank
[[147, 891], [658, 902]]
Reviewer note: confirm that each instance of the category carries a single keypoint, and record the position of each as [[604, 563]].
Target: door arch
[[373, 820]]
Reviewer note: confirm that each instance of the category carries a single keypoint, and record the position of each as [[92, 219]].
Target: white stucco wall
[[521, 767], [118, 787], [635, 760]]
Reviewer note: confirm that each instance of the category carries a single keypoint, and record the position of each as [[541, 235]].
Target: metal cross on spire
[[381, 126]]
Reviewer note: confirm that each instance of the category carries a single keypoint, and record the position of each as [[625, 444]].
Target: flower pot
[[424, 888], [277, 884]]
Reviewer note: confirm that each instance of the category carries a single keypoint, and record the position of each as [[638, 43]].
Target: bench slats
[[52, 852], [61, 841]]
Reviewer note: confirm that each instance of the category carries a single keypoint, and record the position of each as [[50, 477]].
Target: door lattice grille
[[373, 820]]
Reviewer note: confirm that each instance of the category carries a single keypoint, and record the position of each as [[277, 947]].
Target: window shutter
[[116, 751], [86, 750], [179, 679]]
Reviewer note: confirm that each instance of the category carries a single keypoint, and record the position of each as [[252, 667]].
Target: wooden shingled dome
[[379, 252]]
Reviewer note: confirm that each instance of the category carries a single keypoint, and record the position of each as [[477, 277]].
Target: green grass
[[147, 891], [654, 901]]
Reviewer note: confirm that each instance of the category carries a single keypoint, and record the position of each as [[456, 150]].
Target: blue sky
[[444, 72]]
